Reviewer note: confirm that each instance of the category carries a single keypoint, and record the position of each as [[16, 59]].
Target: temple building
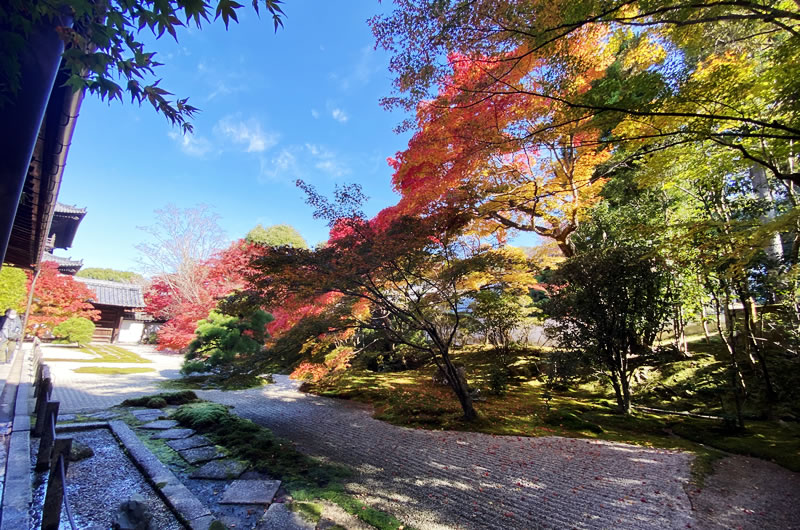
[[121, 306]]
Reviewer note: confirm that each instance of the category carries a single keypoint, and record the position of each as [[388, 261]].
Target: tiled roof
[[65, 265], [61, 260], [114, 293], [66, 208]]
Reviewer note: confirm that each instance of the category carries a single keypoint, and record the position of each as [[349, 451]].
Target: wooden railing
[[53, 452]]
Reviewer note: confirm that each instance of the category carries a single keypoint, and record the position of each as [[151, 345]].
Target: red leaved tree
[[413, 274], [57, 297]]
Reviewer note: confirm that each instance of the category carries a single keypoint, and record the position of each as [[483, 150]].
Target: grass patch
[[105, 353], [170, 398], [310, 511], [208, 382], [761, 439], [305, 478], [112, 370]]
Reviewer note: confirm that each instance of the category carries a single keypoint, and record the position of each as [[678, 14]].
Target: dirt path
[[746, 493]]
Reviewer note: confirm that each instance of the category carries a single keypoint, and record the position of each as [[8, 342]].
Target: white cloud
[[327, 161], [360, 73], [339, 115], [315, 113], [190, 144], [248, 133], [282, 166]]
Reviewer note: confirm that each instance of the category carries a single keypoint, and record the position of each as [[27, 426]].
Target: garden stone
[[66, 417], [160, 425], [80, 451], [147, 414], [103, 415], [132, 515], [188, 443], [220, 470], [279, 517], [200, 454], [174, 434], [250, 492]]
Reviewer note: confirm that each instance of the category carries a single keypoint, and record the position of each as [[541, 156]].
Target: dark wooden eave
[[31, 226]]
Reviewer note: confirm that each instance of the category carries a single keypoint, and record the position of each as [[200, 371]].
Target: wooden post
[[44, 458], [54, 498], [43, 393]]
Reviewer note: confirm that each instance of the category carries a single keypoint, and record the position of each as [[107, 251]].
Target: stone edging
[[18, 491], [183, 502]]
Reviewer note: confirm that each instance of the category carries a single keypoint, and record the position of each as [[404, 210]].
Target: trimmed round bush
[[156, 403], [75, 329]]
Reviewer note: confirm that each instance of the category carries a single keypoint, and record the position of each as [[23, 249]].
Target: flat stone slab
[[160, 425], [279, 517], [103, 415], [66, 417], [220, 470], [250, 492], [189, 443], [174, 434], [200, 454], [147, 414]]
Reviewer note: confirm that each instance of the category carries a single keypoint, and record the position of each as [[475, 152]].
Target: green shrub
[[572, 421], [156, 403], [199, 415], [171, 398], [75, 329]]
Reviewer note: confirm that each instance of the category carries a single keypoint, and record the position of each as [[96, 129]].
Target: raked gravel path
[[437, 479]]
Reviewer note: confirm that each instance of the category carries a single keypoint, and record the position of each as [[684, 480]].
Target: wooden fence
[[53, 455]]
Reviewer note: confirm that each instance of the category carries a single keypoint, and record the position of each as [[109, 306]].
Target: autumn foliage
[[213, 279], [56, 298]]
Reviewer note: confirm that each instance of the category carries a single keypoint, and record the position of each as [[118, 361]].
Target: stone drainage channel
[[199, 486]]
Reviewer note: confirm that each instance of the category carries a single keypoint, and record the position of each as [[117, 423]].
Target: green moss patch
[[105, 353], [171, 398], [305, 478], [112, 370]]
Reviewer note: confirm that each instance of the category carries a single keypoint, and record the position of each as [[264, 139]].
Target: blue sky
[[302, 103], [299, 103]]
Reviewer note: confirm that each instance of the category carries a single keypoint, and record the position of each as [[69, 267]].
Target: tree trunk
[[622, 391], [459, 386], [737, 382]]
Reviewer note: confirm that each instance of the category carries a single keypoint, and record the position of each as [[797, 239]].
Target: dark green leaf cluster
[[104, 53], [224, 340]]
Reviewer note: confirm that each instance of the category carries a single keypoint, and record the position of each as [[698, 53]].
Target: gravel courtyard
[[435, 480]]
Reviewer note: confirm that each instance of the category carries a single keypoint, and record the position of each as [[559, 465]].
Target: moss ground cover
[[105, 353], [112, 370], [586, 410], [305, 478]]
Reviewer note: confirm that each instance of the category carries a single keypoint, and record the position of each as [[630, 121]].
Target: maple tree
[[56, 298], [404, 273], [678, 72], [516, 161], [215, 278]]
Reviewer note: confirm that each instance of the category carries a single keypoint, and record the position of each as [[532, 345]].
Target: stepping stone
[[160, 425], [103, 415], [201, 454], [174, 434], [66, 417], [147, 414], [220, 470], [279, 517], [189, 443], [250, 492]]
